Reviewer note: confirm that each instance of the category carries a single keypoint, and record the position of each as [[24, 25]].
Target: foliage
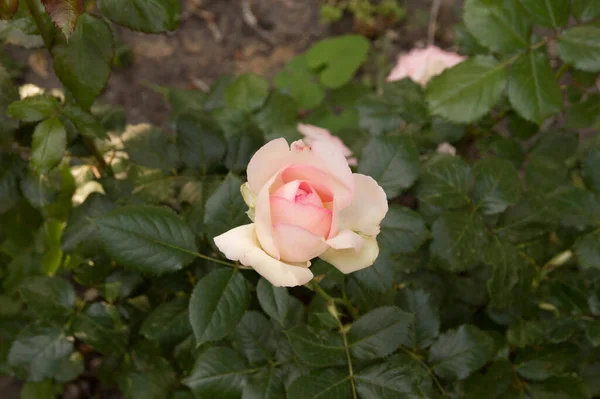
[[487, 284]]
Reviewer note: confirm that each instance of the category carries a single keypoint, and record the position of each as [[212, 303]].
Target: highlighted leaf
[[64, 14]]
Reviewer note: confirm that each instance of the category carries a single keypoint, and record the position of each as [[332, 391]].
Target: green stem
[[426, 367], [221, 262], [348, 358], [34, 9], [561, 71]]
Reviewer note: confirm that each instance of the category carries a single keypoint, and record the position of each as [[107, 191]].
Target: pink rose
[[312, 133], [420, 65], [305, 202]]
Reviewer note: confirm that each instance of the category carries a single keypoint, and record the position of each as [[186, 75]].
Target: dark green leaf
[[247, 92], [11, 167], [323, 384], [254, 336], [317, 350], [425, 326], [550, 13], [149, 239], [397, 377], [402, 230], [278, 117], [48, 296], [567, 387], [445, 183], [379, 333], [267, 384], [298, 81], [218, 373], [458, 353], [339, 57], [87, 125], [33, 109], [83, 63], [585, 10], [150, 16], [200, 142], [64, 14], [533, 89], [278, 304], [580, 46], [501, 25], [574, 206], [147, 375], [80, 227], [539, 364], [48, 145], [38, 350], [392, 161], [151, 147], [217, 305], [101, 327], [497, 185], [225, 208], [591, 170], [495, 382], [168, 323], [587, 249]]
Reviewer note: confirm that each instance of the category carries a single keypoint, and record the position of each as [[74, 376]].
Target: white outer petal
[[349, 260], [241, 244], [368, 208], [346, 239]]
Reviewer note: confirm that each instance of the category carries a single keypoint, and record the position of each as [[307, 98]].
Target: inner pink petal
[[313, 218], [297, 244], [319, 180]]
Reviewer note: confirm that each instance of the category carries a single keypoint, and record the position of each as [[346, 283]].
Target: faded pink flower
[[420, 65], [305, 202], [312, 133]]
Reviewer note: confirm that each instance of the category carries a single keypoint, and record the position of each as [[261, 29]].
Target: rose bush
[[305, 202]]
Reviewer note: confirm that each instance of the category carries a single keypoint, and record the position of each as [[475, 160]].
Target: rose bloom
[[305, 202], [420, 65], [312, 133]]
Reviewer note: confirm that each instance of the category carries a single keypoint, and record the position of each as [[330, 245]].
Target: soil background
[[215, 37]]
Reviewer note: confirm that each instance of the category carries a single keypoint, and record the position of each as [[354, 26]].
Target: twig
[[432, 26]]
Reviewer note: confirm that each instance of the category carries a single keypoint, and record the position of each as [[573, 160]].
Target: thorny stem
[[426, 367]]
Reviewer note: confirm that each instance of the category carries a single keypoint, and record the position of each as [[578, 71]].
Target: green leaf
[[11, 167], [38, 390], [574, 206], [86, 124], [298, 81], [317, 350], [81, 227], [392, 161], [254, 337], [83, 63], [425, 326], [445, 183], [458, 238], [247, 92], [147, 375], [225, 208], [467, 91], [550, 13], [507, 266], [496, 381], [587, 249], [497, 185], [48, 145], [149, 239], [33, 109], [169, 323], [150, 16], [200, 142], [401, 101], [101, 327], [217, 373], [243, 142], [217, 305], [278, 304], [538, 332], [567, 387], [580, 46], [38, 350], [533, 89], [590, 170], [151, 147], [323, 384], [70, 368], [541, 363], [585, 10], [458, 353], [266, 384], [64, 14], [278, 117], [501, 25], [397, 377], [402, 230], [48, 296], [339, 57], [378, 333]]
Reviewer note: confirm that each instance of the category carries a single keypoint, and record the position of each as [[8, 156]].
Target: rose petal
[[349, 260], [266, 162], [313, 218], [368, 208], [322, 182], [262, 217], [241, 244], [420, 65], [313, 133], [296, 244], [346, 239]]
